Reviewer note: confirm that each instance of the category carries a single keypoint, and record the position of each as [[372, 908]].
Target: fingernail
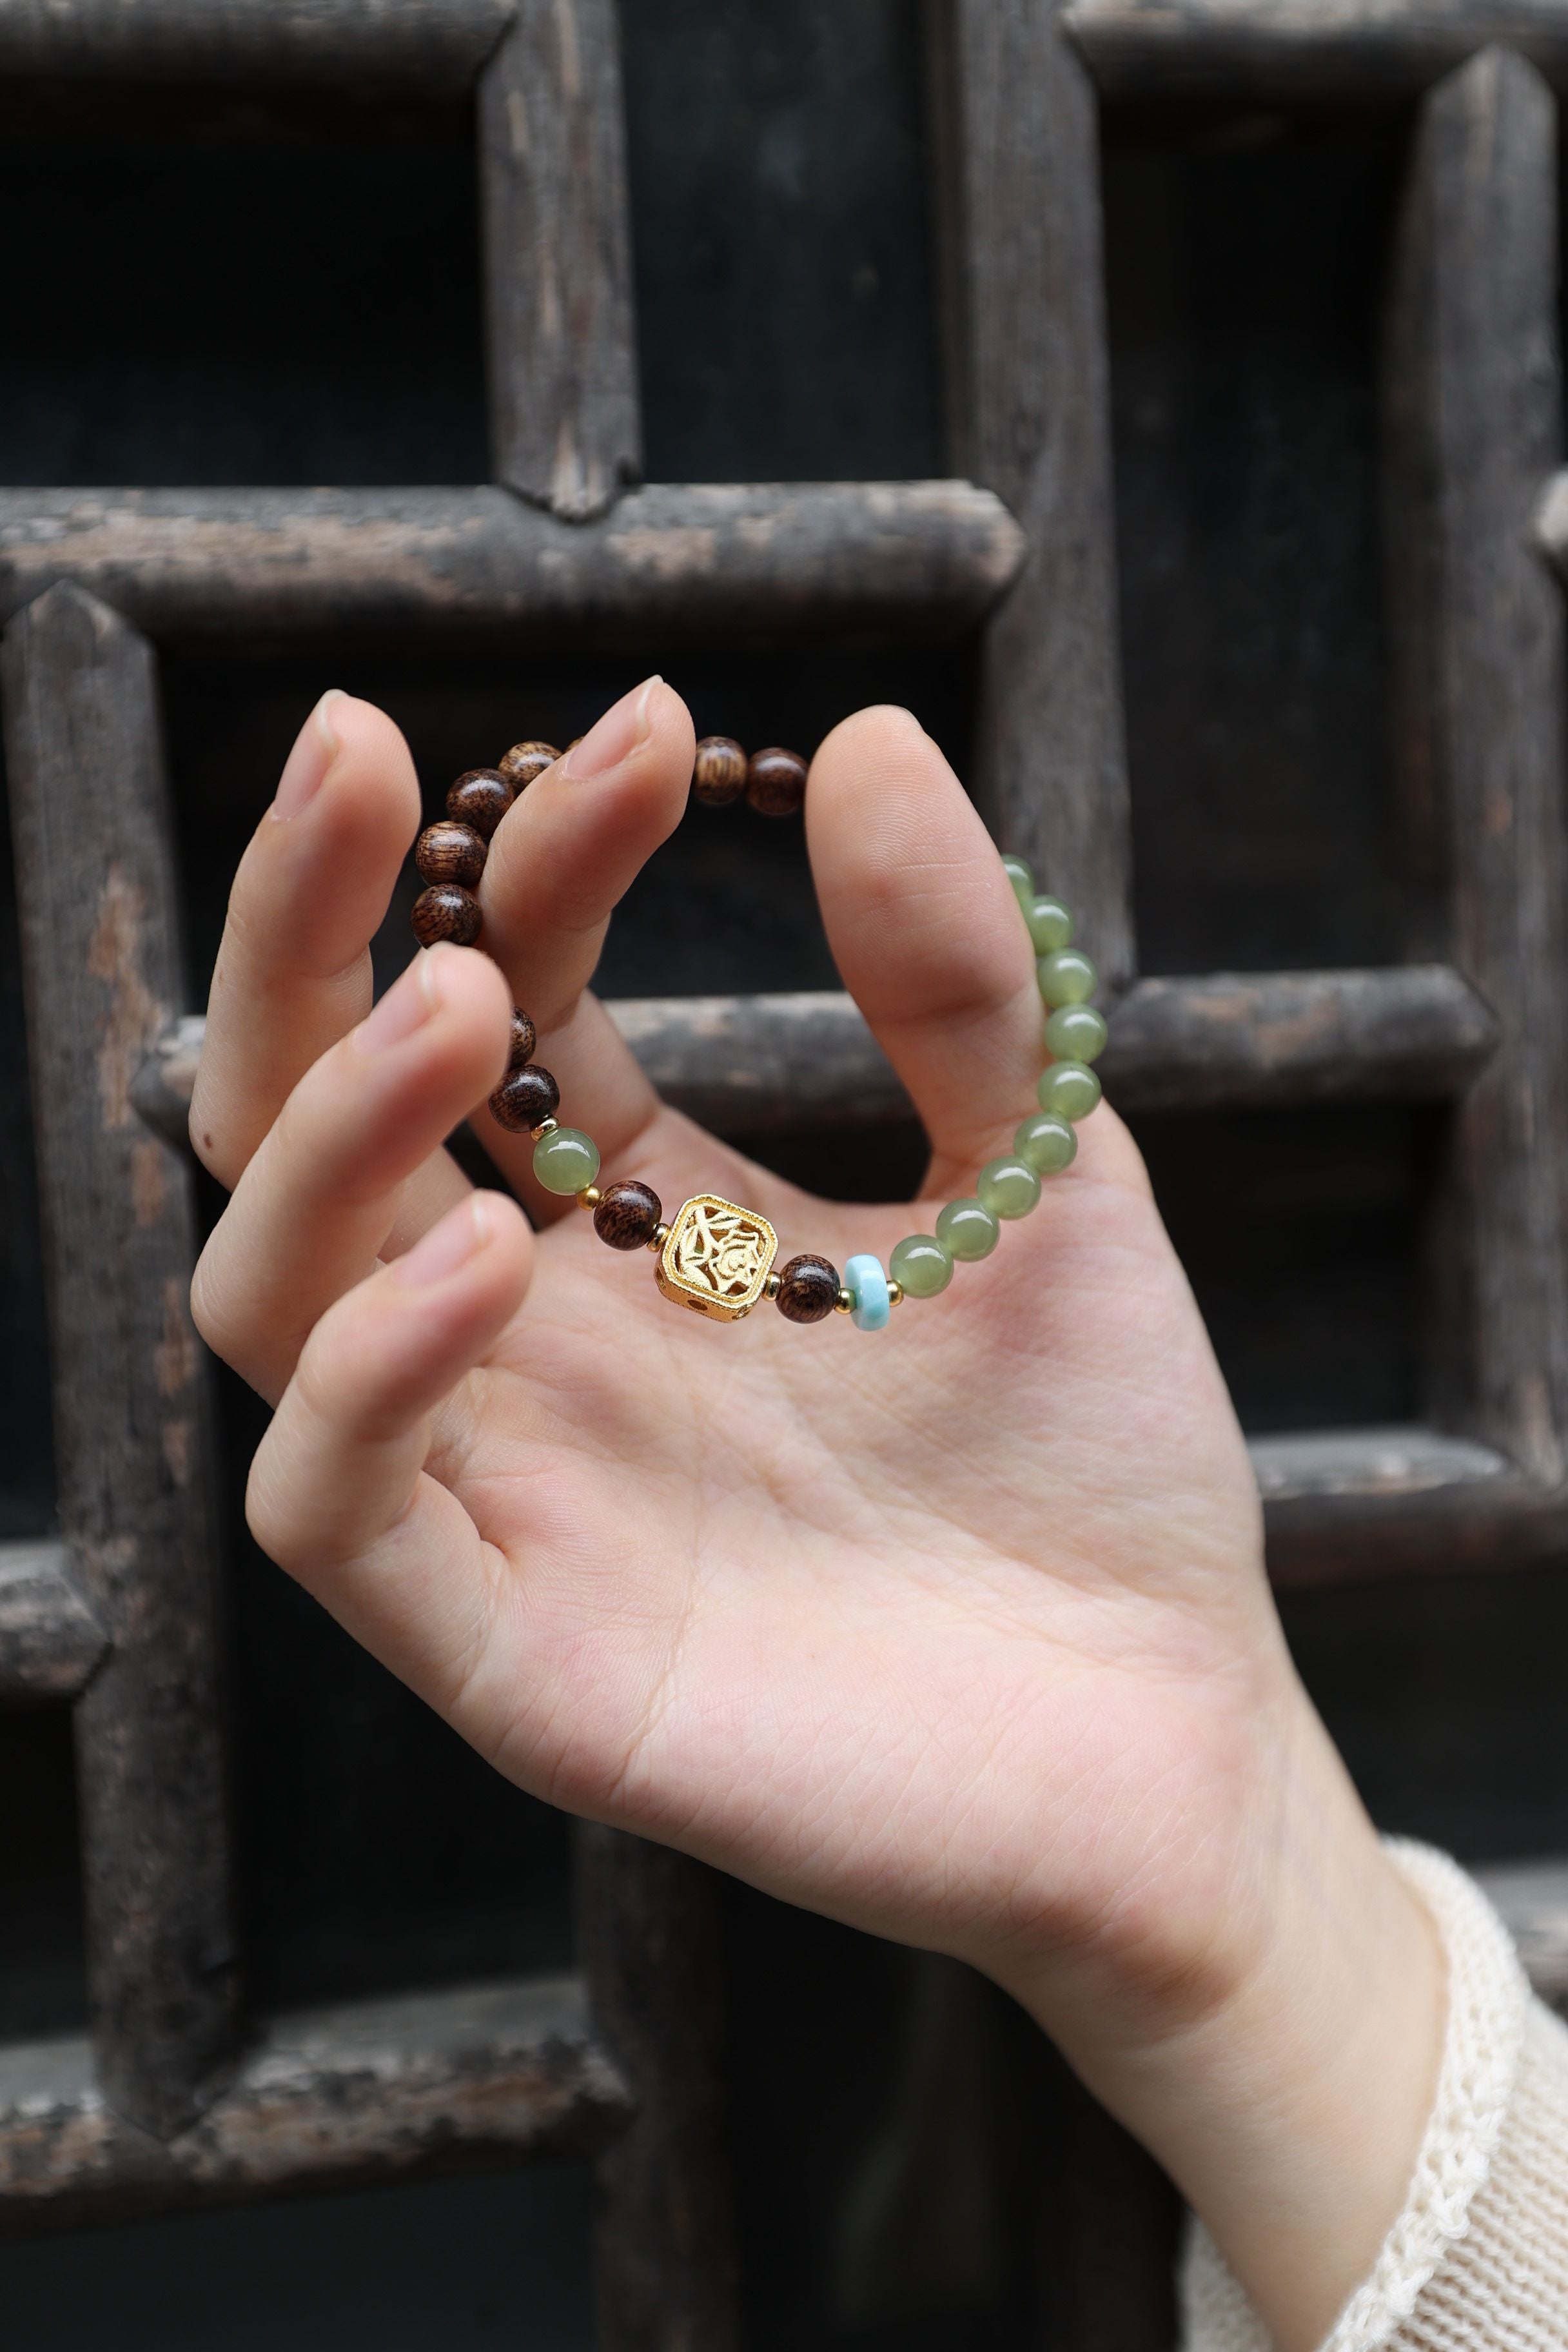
[[315, 748], [406, 1006], [623, 727], [445, 1248]]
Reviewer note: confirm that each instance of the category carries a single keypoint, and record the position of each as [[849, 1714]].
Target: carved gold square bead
[[717, 1257]]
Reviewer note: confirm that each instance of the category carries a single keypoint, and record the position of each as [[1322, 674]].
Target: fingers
[[316, 1204], [293, 970], [925, 930], [567, 850], [338, 1492]]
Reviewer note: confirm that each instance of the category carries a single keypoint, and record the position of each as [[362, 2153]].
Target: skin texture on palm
[[959, 1633]]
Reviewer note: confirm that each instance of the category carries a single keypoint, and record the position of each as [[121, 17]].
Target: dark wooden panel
[[447, 2082], [435, 44], [1284, 52], [100, 957], [50, 1640], [1474, 427], [757, 1064], [553, 175], [650, 1932], [1410, 1034], [726, 561], [1029, 398]]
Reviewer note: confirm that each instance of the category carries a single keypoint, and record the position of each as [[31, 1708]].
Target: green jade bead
[[1075, 1032], [967, 1229], [1021, 878], [1050, 925], [1047, 1142], [920, 1264], [1008, 1187], [566, 1161], [1067, 977], [1070, 1089]]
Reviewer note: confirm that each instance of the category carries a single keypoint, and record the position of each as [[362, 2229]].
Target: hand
[[958, 1633]]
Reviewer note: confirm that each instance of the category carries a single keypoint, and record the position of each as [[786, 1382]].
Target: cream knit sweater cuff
[[1477, 2261]]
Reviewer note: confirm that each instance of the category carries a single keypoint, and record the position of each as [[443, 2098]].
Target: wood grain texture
[[100, 937], [1029, 401], [434, 45], [1412, 1033], [759, 1063], [1341, 53], [460, 2080], [1472, 400], [565, 425], [650, 1935], [896, 559], [50, 1641]]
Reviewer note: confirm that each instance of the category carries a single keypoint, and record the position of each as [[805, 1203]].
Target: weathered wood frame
[[169, 2106]]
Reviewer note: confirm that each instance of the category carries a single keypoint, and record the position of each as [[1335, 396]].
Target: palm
[[749, 1570]]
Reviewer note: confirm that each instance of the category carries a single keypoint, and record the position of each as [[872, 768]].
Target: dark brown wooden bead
[[775, 782], [524, 1097], [719, 772], [525, 761], [445, 911], [449, 852], [808, 1290], [627, 1216], [481, 798], [524, 1038]]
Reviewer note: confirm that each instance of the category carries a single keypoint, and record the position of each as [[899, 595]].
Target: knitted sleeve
[[1477, 2261]]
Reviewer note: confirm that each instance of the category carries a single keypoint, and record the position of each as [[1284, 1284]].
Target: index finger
[[293, 971]]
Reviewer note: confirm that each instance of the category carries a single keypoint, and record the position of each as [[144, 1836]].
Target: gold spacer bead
[[546, 1127], [894, 1291], [844, 1302], [589, 1197], [771, 1287], [658, 1236]]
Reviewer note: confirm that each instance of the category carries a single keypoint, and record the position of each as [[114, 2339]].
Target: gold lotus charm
[[716, 1258]]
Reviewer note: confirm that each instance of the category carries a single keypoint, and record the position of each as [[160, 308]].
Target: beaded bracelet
[[716, 1256]]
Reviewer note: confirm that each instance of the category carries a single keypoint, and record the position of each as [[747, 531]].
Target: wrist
[[1285, 2078]]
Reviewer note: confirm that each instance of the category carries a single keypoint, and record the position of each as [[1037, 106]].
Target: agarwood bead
[[480, 797], [524, 1038], [449, 852], [445, 911], [524, 1097], [808, 1290], [775, 782], [719, 772], [627, 1215], [525, 761]]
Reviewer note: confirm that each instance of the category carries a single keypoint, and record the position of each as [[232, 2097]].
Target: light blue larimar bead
[[868, 1286]]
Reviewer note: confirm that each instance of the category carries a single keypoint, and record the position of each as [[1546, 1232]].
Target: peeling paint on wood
[[427, 2083], [1473, 414], [100, 959], [1029, 395], [50, 1640], [719, 560], [566, 422]]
